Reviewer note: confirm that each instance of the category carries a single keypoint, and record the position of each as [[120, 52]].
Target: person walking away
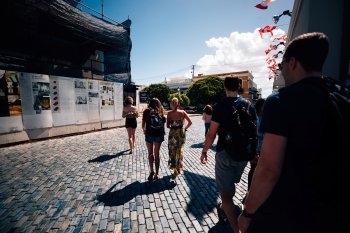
[[303, 152], [206, 117], [177, 136], [153, 121], [228, 172], [259, 106], [130, 114]]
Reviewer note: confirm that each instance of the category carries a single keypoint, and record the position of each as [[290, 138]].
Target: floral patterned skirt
[[176, 140]]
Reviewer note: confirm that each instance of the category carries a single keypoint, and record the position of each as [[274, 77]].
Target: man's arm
[[265, 176], [209, 139]]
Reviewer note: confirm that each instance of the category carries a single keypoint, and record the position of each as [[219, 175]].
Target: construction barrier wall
[[37, 106]]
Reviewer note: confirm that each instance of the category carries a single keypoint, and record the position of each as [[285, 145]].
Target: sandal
[[150, 177]]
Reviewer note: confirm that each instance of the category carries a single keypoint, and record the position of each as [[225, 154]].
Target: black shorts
[[130, 123]]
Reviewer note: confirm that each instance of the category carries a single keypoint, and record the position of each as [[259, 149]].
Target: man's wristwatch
[[247, 215]]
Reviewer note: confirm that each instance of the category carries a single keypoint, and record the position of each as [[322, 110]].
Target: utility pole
[[192, 71], [102, 8]]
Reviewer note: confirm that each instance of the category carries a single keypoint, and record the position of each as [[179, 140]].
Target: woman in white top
[[207, 111]]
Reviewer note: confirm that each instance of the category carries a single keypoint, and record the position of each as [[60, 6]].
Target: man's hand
[[204, 157]]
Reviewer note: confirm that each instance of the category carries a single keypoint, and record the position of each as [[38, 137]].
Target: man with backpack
[[234, 120], [298, 184]]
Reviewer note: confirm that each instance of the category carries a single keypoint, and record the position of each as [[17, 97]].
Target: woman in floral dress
[[177, 136]]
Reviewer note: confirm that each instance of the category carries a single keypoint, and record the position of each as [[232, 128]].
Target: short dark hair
[[310, 49], [232, 83], [259, 104]]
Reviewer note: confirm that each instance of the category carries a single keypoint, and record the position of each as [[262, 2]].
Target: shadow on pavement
[[203, 200], [198, 145], [103, 158], [201, 145], [221, 227], [203, 195], [126, 194]]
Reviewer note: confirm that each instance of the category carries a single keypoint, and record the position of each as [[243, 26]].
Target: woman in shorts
[[153, 121]]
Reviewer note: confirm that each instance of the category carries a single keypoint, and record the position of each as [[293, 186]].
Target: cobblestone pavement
[[90, 183]]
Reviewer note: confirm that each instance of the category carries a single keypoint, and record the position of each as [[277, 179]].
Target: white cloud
[[239, 52]]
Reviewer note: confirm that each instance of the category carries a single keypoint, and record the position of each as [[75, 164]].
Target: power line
[[165, 74]]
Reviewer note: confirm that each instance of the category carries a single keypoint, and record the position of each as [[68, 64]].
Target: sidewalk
[[90, 183]]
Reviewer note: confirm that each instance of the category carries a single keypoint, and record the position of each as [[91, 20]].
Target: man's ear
[[292, 63]]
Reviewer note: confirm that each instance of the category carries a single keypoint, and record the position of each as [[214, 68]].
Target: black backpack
[[240, 136], [330, 167], [155, 124]]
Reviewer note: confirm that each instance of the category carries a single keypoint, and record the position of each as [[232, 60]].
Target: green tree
[[184, 100], [206, 91], [160, 91]]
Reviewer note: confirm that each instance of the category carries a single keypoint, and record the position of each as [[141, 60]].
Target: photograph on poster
[[10, 101], [81, 100], [41, 94], [91, 85], [79, 84]]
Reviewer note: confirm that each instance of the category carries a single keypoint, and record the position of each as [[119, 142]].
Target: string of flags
[[272, 64]]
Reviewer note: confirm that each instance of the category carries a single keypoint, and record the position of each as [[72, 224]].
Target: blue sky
[[169, 36]]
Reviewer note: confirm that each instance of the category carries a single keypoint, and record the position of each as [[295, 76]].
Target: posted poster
[[62, 104], [93, 101], [118, 100], [36, 101], [10, 102], [81, 101], [106, 101]]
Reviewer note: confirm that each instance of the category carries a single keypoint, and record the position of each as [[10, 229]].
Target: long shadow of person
[[103, 158], [201, 145], [203, 194], [204, 199], [126, 194]]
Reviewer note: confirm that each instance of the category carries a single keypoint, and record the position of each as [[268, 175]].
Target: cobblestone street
[[90, 183]]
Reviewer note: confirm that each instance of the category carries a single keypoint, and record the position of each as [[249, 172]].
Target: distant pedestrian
[[228, 172], [305, 152], [130, 114], [206, 117], [177, 136], [259, 106], [153, 121]]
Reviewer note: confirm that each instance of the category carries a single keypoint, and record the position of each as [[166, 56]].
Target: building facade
[[249, 87], [333, 19]]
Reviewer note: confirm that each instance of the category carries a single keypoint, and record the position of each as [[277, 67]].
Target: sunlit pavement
[[90, 183]]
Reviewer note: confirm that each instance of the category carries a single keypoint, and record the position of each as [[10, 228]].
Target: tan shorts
[[227, 171]]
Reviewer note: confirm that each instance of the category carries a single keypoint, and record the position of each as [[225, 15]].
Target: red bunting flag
[[272, 76], [273, 67], [270, 49], [270, 60], [266, 29], [283, 37], [263, 5]]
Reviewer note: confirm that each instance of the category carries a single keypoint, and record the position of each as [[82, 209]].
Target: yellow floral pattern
[[176, 140]]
